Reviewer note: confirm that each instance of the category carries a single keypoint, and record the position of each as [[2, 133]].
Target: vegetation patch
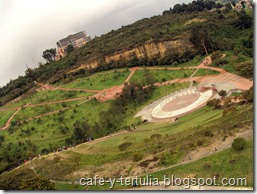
[[201, 72], [100, 81], [146, 77], [4, 116]]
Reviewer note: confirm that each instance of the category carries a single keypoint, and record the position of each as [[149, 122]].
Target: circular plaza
[[176, 104]]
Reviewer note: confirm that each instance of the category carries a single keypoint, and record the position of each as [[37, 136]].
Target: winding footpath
[[8, 123], [111, 93]]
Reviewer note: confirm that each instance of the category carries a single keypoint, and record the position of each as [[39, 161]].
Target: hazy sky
[[28, 27]]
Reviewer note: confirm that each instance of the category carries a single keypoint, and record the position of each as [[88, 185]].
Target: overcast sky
[[28, 27]]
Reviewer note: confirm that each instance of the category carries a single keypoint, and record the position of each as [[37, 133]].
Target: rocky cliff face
[[149, 50], [90, 65]]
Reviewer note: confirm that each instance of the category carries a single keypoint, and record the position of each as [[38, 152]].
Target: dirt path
[[30, 162], [112, 93], [8, 123], [193, 156], [56, 111], [203, 152], [133, 70], [60, 101], [7, 109], [191, 84], [76, 89]]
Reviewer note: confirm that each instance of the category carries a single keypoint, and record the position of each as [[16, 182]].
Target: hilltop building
[[76, 40]]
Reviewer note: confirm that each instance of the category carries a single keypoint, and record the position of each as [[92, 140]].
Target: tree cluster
[[49, 55], [195, 6], [24, 179]]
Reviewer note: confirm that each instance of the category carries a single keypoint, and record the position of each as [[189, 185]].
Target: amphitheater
[[177, 104]]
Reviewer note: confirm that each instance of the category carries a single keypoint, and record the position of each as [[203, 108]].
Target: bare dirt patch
[[195, 20]]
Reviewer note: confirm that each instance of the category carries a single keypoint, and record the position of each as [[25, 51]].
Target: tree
[[200, 38], [1, 140], [214, 102], [80, 133], [248, 44], [24, 179], [124, 146], [49, 54], [245, 69], [239, 144], [228, 7], [223, 93], [30, 73], [37, 183], [148, 77], [177, 8], [249, 95], [244, 21], [69, 48]]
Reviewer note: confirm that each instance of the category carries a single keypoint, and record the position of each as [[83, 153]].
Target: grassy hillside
[[238, 165], [218, 24], [160, 75], [174, 142], [4, 116], [100, 81], [103, 137]]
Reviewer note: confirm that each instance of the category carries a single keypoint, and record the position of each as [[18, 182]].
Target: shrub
[[164, 80], [137, 157], [124, 146], [208, 134], [228, 110], [1, 139], [239, 144], [155, 136], [145, 163], [248, 95], [214, 103], [206, 166], [245, 69], [169, 159], [216, 55], [222, 93], [200, 142], [64, 104]]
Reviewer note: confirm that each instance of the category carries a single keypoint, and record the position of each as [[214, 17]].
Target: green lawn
[[46, 132], [30, 112], [4, 116], [107, 151], [202, 72], [49, 96], [140, 76], [100, 81], [194, 62], [197, 118], [197, 60]]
